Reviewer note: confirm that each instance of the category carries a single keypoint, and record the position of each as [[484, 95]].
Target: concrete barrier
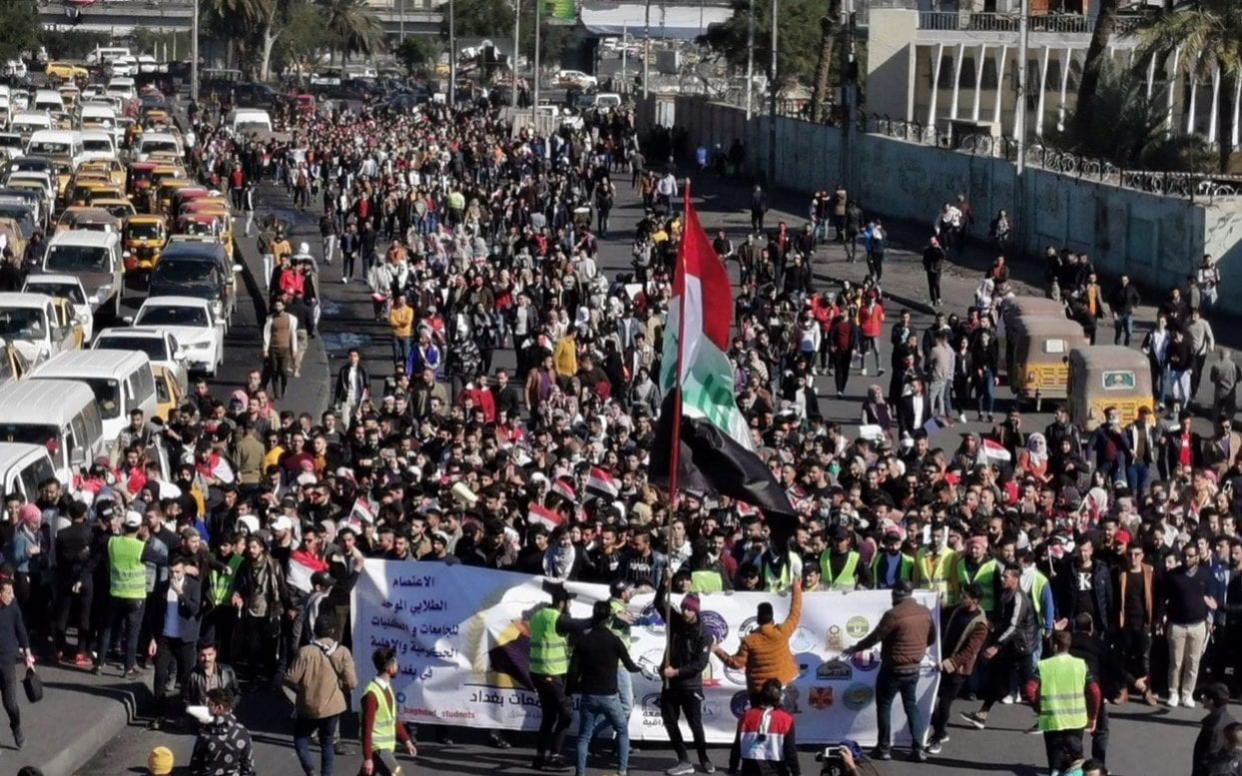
[[1158, 240]]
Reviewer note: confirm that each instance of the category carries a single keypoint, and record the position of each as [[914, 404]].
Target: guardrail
[[1202, 186], [969, 21]]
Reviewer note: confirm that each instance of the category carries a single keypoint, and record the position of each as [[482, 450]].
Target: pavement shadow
[[130, 695]]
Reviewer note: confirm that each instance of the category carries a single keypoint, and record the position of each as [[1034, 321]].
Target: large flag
[[715, 454]]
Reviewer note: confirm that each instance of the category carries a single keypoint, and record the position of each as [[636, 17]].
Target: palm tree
[[829, 30], [1202, 39], [353, 25], [251, 24], [1097, 52]]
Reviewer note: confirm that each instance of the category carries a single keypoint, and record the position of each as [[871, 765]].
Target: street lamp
[[517, 47], [194, 54], [452, 56], [750, 58]]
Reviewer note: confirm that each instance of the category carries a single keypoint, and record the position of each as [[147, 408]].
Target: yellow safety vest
[[1062, 693], [706, 581], [984, 577], [549, 650], [847, 579], [384, 731], [776, 584], [127, 574], [1037, 595], [935, 575]]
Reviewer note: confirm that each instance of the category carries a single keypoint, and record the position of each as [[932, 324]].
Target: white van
[[103, 55], [250, 120], [159, 141], [61, 415], [24, 468], [122, 87], [49, 100], [122, 381], [28, 122], [99, 142], [61, 144]]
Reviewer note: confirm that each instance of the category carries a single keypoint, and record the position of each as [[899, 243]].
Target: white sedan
[[198, 332]]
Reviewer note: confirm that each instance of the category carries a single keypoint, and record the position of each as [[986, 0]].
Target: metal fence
[[1201, 186], [969, 21]]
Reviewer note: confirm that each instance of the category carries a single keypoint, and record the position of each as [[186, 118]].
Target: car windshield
[[97, 145], [22, 323], [152, 346], [30, 435], [173, 316], [77, 258], [120, 209], [151, 146], [184, 273], [149, 231], [48, 147], [70, 291]]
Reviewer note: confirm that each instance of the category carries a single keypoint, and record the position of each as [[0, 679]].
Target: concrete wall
[[1158, 240]]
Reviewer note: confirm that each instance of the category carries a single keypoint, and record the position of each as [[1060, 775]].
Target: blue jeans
[[593, 712], [303, 729], [987, 392], [1123, 330], [625, 694], [887, 686], [1136, 478]]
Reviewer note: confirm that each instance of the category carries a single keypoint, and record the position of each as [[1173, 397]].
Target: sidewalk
[[725, 204], [79, 714]]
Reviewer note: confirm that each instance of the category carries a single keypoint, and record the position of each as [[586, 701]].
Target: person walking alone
[[321, 675], [280, 337], [14, 643], [904, 633], [933, 265]]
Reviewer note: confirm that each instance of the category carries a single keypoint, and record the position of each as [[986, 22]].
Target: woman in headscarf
[[1033, 461]]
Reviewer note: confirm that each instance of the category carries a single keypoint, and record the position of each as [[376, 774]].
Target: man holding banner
[[764, 654], [549, 662]]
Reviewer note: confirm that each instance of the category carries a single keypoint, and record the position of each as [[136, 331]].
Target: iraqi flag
[[715, 451], [362, 512], [547, 517], [601, 483], [564, 488], [994, 453], [303, 565]]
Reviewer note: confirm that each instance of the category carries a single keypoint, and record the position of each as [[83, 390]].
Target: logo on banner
[[835, 642], [834, 671], [802, 640], [735, 675], [715, 626], [739, 703], [651, 709], [857, 626], [748, 626], [820, 698], [865, 661], [857, 696]]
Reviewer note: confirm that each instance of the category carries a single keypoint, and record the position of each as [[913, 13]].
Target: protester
[[764, 653], [321, 677], [1067, 699], [380, 731], [223, 746]]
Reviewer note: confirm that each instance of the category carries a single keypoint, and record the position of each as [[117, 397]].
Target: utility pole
[[534, 107], [647, 47], [625, 34], [452, 101], [401, 11], [194, 54], [849, 90], [517, 46], [1019, 119], [772, 89], [750, 59]]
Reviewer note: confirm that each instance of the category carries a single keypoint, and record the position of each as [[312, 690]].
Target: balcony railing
[[968, 21]]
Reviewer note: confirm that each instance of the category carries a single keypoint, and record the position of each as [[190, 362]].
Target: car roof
[[21, 299], [53, 277], [147, 332], [20, 401], [192, 250], [174, 301], [89, 363], [85, 237]]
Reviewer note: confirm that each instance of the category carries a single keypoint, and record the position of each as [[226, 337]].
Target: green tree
[[830, 28], [302, 41], [19, 20], [800, 39], [1199, 37], [1093, 65], [354, 26], [252, 27], [1125, 127], [416, 52]]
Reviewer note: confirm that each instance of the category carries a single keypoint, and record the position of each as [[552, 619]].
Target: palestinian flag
[[601, 483], [549, 518], [715, 451]]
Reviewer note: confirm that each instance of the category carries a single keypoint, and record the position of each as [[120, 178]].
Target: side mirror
[[179, 355], [129, 319]]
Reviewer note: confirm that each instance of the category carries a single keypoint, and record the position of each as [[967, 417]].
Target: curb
[[85, 744]]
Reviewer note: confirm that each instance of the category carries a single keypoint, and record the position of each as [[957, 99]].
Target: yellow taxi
[[121, 208], [65, 71], [168, 392], [112, 168]]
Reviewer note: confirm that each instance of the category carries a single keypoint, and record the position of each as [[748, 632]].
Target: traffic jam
[[118, 278]]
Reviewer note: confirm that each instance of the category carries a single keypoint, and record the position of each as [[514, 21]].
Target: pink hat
[[30, 513]]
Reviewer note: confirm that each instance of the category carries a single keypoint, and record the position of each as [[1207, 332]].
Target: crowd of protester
[[474, 239]]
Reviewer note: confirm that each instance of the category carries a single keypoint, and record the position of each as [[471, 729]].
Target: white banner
[[462, 638]]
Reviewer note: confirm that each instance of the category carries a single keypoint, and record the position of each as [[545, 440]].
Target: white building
[[934, 66]]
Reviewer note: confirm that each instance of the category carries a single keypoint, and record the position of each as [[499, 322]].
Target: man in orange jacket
[[764, 654]]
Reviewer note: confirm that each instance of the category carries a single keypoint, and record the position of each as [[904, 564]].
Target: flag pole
[[675, 454]]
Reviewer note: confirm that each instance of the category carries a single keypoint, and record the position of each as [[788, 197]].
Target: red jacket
[[871, 320]]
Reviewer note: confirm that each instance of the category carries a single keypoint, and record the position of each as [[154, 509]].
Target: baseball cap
[[133, 519]]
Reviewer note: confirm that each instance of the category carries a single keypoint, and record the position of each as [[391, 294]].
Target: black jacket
[[342, 383], [1065, 592], [1210, 743], [689, 648], [189, 606]]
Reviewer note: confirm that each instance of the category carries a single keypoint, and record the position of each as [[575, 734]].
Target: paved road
[[1144, 741]]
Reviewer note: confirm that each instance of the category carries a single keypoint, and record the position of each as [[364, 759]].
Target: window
[[174, 316], [77, 258], [34, 475], [1119, 380]]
